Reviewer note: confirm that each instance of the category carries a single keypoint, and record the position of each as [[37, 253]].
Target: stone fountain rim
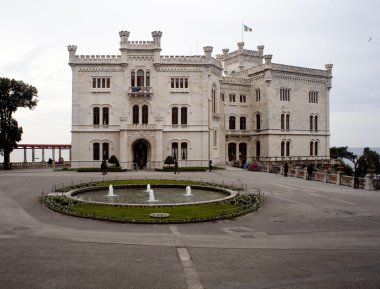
[[230, 194]]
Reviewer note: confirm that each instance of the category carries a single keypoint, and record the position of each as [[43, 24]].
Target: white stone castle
[[238, 106]]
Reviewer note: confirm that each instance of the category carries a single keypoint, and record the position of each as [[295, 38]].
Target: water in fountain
[[188, 191], [110, 191], [147, 188], [151, 196]]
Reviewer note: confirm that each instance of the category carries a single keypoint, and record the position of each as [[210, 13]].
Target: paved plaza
[[308, 235]]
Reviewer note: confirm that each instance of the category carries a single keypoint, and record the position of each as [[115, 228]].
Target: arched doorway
[[140, 150]]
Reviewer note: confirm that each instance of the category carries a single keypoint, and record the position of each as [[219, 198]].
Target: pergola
[[42, 147]]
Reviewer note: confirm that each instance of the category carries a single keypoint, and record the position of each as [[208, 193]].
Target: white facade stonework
[[142, 106]]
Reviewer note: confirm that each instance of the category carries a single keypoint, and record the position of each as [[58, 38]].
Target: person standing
[[310, 170], [176, 169], [103, 167], [210, 165], [286, 169]]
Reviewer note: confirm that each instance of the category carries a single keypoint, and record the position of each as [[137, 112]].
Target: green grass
[[177, 213]]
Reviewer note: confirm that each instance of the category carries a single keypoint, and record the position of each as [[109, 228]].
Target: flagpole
[[242, 32]]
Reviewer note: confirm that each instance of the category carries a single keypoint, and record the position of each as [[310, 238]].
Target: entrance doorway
[[140, 153]]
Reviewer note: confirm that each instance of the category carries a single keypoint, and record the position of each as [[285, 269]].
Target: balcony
[[140, 92]]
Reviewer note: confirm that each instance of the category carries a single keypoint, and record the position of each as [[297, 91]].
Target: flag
[[247, 29]]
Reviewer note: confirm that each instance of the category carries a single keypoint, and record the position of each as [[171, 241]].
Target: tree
[[369, 159], [113, 160], [344, 153], [13, 94], [169, 161]]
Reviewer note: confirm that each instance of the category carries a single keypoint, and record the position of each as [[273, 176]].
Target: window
[[183, 115], [311, 148], [144, 114], [258, 121], [213, 96], [174, 150], [95, 151], [288, 148], [135, 114], [316, 148], [105, 151], [140, 78], [147, 77], [215, 137], [101, 82], [105, 115], [311, 122], [287, 121], [96, 116], [222, 96], [316, 123], [231, 152], [313, 96], [179, 83], [243, 98], [184, 151], [258, 149], [133, 83], [258, 94], [285, 94], [174, 115], [282, 121], [243, 122], [232, 97], [283, 148], [232, 121]]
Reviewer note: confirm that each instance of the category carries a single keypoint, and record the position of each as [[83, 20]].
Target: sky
[[34, 36]]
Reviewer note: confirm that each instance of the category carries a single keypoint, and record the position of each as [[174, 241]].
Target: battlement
[[182, 59], [98, 58], [140, 44], [300, 70]]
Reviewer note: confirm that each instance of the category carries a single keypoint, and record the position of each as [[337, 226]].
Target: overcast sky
[[34, 36]]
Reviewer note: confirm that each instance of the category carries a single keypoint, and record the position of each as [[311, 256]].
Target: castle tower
[[72, 50], [208, 50]]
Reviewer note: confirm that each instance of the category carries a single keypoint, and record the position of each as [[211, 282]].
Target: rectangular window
[[105, 151], [101, 82], [95, 151], [215, 143], [222, 96], [180, 83], [232, 97], [96, 116], [243, 98], [285, 94], [183, 115], [105, 115], [174, 115], [184, 151], [313, 96]]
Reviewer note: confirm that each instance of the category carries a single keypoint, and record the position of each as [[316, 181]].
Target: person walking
[[286, 169], [210, 165], [103, 167]]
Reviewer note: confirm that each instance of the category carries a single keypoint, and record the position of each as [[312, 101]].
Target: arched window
[[144, 114], [232, 121], [287, 121], [316, 123], [95, 151], [140, 78], [282, 148], [175, 150], [311, 122], [311, 148], [316, 148], [183, 115], [184, 151], [106, 150], [258, 149], [135, 114], [258, 121], [174, 115], [133, 82], [232, 152], [147, 78], [105, 115], [282, 121], [243, 123], [288, 148], [96, 115]]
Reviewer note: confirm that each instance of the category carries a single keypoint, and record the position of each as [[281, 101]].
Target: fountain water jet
[[147, 188], [110, 191], [151, 196], [188, 191]]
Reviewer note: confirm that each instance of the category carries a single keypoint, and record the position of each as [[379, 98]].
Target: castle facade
[[142, 107]]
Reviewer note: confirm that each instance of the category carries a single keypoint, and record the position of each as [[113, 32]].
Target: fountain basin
[[165, 195]]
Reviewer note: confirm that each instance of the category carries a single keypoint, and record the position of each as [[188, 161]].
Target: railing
[[140, 91]]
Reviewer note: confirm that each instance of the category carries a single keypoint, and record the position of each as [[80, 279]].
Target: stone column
[[43, 155], [25, 155], [53, 157], [369, 183], [33, 157]]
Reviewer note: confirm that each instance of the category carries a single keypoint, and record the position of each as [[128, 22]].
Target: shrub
[[113, 160], [169, 161]]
